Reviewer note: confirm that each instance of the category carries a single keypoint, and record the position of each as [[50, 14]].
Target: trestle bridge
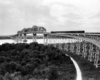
[[86, 45]]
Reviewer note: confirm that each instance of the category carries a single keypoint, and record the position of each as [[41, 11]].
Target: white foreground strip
[[79, 74]]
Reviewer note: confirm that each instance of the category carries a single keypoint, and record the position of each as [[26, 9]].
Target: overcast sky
[[51, 14]]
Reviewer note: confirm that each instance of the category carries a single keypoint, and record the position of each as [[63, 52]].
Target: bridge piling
[[96, 59], [72, 47], [25, 38], [78, 44], [66, 46], [34, 37], [45, 39], [84, 50], [90, 52]]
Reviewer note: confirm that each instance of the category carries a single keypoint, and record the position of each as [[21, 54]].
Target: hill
[[35, 62]]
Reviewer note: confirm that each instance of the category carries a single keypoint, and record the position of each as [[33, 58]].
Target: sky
[[54, 15]]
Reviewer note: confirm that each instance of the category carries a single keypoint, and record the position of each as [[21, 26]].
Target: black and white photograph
[[49, 39]]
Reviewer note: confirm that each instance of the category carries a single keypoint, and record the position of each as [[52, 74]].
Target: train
[[68, 31]]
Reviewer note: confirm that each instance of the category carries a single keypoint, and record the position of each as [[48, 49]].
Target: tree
[[2, 59]]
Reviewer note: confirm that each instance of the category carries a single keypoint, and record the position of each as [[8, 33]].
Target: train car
[[67, 31]]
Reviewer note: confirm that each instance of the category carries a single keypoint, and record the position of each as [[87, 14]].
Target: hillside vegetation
[[34, 62]]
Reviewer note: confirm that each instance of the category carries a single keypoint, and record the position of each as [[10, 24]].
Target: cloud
[[52, 14], [79, 7], [76, 13]]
